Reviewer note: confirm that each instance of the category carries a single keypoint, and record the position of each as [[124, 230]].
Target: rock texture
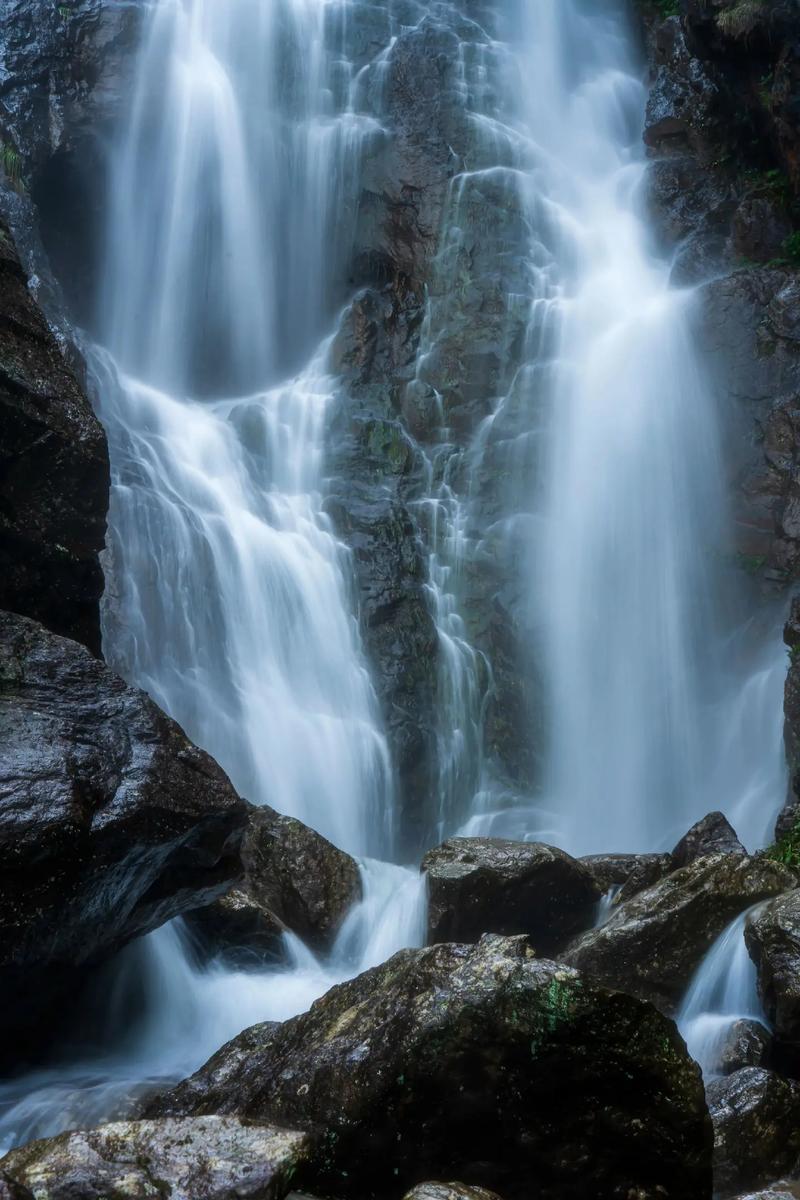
[[713, 835], [756, 1116], [111, 822], [487, 885], [772, 934], [747, 1043], [789, 819], [482, 1063], [448, 1191], [654, 942], [54, 475], [205, 1158]]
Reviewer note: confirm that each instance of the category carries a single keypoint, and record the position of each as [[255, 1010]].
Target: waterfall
[[724, 990], [234, 193]]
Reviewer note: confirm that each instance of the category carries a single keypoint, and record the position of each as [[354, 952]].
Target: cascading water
[[234, 191]]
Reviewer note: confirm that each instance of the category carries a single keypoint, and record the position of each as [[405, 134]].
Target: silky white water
[[234, 194], [724, 990]]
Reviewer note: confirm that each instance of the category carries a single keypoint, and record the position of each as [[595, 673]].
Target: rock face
[[756, 1116], [773, 939], [747, 1043], [713, 835], [448, 1191], [206, 1158], [238, 930], [482, 1063], [54, 475], [654, 942], [488, 885], [610, 870], [111, 821], [790, 815]]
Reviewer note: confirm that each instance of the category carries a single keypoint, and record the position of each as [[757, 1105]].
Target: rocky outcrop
[[747, 1043], [293, 879], [54, 474], [713, 835], [772, 934], [205, 1158], [789, 819], [784, 1189], [481, 1063], [111, 821], [756, 1116], [612, 870], [653, 943], [488, 885], [448, 1191]]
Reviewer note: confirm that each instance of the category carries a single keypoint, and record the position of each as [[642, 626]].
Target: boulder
[[448, 1191], [713, 835], [238, 930], [756, 1116], [111, 821], [614, 870], [480, 1062], [294, 879], [784, 1189], [489, 885], [654, 942], [204, 1158], [747, 1043], [772, 935], [54, 473], [648, 869]]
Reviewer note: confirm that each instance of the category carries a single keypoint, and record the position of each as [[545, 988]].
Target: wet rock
[[649, 868], [653, 943], [204, 1158], [615, 869], [238, 930], [784, 1189], [489, 885], [11, 1190], [746, 1044], [111, 821], [308, 884], [789, 817], [772, 935], [448, 1191], [475, 1062], [756, 1116], [54, 474], [713, 835]]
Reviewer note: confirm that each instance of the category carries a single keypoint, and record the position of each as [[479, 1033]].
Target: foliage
[[787, 849], [791, 248], [740, 17], [11, 163]]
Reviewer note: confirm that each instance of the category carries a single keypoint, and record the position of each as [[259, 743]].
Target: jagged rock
[[713, 835], [772, 935], [11, 1190], [653, 943], [479, 1062], [449, 1191], [784, 1189], [111, 821], [756, 1116], [489, 885], [746, 1044], [201, 1158], [54, 474]]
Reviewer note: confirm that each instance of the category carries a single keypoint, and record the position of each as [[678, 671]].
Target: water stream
[[234, 195]]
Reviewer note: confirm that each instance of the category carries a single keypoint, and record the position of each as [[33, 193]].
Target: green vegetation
[[791, 248], [740, 17], [751, 563], [787, 849], [11, 163]]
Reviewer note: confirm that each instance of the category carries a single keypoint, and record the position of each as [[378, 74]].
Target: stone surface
[[747, 1043], [713, 835], [238, 930], [616, 869], [789, 818], [54, 475], [653, 943], [448, 1191], [784, 1189], [756, 1116], [772, 934], [489, 885], [111, 821], [474, 1062], [202, 1158]]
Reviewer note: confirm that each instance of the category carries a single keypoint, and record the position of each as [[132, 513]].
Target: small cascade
[[724, 990]]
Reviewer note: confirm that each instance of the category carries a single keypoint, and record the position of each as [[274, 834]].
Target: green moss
[[11, 163], [787, 849], [751, 563]]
